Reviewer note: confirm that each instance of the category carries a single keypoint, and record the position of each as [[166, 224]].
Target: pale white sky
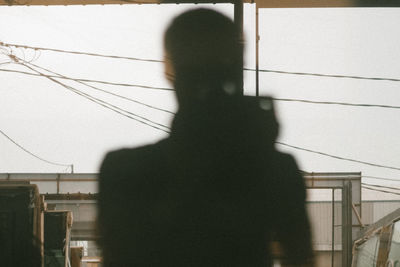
[[61, 126]]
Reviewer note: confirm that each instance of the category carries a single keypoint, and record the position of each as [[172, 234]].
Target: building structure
[[78, 193]]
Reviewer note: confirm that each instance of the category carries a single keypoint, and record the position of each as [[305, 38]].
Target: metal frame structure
[[348, 183], [350, 186]]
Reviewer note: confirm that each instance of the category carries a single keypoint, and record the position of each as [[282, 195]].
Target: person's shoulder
[[286, 167], [126, 156], [285, 158]]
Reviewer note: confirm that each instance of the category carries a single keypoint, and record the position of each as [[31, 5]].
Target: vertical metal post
[[58, 183], [257, 54], [346, 224], [333, 227], [238, 19]]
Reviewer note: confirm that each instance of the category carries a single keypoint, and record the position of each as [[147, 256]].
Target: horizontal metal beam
[[260, 3], [77, 196], [103, 2], [43, 177], [325, 180], [25, 176]]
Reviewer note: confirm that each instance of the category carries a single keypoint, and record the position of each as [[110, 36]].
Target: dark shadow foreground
[[215, 192]]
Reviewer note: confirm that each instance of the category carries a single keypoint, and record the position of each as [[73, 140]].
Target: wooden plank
[[325, 3], [105, 2]]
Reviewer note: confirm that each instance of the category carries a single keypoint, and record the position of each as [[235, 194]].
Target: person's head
[[203, 55]]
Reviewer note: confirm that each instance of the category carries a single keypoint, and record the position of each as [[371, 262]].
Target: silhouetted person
[[215, 192]]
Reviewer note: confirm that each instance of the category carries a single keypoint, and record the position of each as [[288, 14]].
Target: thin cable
[[170, 89], [122, 84], [101, 102], [379, 190], [32, 154], [335, 103], [381, 186], [338, 157], [104, 91], [381, 178], [36, 56], [78, 52], [5, 51], [280, 143], [246, 69], [92, 81], [326, 75]]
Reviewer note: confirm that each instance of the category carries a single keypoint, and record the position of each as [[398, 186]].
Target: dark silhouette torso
[[212, 194]]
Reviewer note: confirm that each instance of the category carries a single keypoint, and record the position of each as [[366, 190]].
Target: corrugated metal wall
[[321, 221]]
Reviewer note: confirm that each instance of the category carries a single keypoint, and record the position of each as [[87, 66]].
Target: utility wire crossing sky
[[371, 96], [151, 123]]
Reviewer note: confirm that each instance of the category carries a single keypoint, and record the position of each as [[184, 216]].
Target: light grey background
[[63, 127]]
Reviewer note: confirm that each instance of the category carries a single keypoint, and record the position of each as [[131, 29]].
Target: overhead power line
[[338, 157], [326, 75], [381, 178], [100, 102], [104, 91], [78, 52], [381, 186], [91, 81], [379, 190], [170, 89], [34, 155], [336, 103], [246, 69], [120, 111]]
